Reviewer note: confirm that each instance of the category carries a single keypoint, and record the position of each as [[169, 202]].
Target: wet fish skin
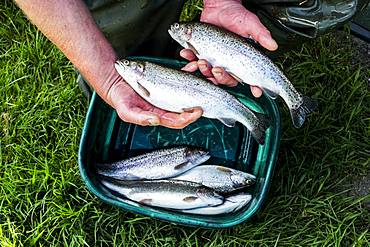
[[231, 204], [158, 164], [176, 91], [232, 52], [221, 179], [169, 194]]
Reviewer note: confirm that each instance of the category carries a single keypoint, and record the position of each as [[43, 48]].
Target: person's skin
[[70, 26], [232, 16]]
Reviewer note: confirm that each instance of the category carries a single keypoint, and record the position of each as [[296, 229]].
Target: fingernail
[[153, 121], [189, 66], [269, 42], [217, 73], [202, 65]]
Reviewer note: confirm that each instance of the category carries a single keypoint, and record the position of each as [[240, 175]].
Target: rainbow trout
[[158, 164], [221, 179], [175, 91], [232, 52], [231, 204], [165, 193]]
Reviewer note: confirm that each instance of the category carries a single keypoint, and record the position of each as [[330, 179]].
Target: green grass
[[44, 202]]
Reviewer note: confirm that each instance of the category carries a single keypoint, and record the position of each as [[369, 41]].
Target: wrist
[[99, 71], [217, 3]]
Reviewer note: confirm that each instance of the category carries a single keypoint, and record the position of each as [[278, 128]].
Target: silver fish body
[[177, 91], [221, 179], [230, 51], [231, 204], [165, 193], [159, 164]]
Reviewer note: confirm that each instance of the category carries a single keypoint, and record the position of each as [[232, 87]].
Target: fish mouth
[[174, 26], [119, 66], [205, 156], [174, 30], [171, 31]]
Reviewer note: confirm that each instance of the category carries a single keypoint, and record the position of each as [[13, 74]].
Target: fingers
[[222, 77], [138, 116], [256, 91], [132, 108], [179, 121], [188, 54], [191, 67], [236, 18], [252, 27], [217, 74], [266, 41], [172, 120], [205, 68]]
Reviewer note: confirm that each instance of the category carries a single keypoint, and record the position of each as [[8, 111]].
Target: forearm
[[70, 26]]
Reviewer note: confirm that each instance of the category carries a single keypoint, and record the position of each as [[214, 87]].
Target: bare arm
[[70, 26]]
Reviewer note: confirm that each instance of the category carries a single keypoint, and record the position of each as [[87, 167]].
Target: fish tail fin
[[259, 131], [299, 114], [265, 120]]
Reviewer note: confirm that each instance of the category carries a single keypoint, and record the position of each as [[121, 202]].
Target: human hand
[[132, 108], [232, 16]]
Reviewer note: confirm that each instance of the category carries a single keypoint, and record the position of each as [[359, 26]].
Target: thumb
[[252, 26]]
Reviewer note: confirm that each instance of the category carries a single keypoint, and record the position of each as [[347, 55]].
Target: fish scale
[[165, 193], [157, 164], [232, 52], [221, 179], [176, 91]]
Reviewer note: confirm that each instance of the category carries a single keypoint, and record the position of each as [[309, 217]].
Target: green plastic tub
[[107, 138]]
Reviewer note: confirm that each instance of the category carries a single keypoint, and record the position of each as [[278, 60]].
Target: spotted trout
[[232, 52], [176, 91], [221, 179], [165, 193], [158, 164], [231, 204]]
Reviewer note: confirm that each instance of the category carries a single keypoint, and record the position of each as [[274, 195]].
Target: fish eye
[[126, 62], [249, 182], [140, 66], [176, 25]]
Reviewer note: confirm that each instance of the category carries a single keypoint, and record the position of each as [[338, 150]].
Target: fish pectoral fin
[[270, 93], [191, 47], [223, 169], [190, 198], [191, 109], [143, 90], [229, 122], [130, 176], [182, 165], [146, 201]]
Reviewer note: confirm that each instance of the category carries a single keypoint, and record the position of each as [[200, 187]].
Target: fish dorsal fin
[[143, 90], [182, 165], [191, 47], [190, 198], [229, 122], [270, 93]]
